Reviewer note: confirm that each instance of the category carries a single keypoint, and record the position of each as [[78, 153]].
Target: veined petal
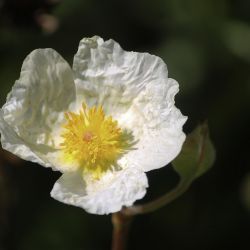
[[157, 127], [103, 196], [13, 143], [34, 108], [156, 148], [107, 75]]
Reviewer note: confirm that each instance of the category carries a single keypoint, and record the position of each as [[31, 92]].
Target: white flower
[[103, 124]]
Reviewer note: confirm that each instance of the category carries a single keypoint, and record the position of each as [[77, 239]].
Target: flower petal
[[33, 112], [157, 126], [107, 75], [156, 148], [103, 196], [13, 143]]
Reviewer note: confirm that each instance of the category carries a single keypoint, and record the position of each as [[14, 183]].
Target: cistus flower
[[103, 124]]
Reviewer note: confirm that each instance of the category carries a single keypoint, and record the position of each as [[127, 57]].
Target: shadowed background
[[206, 45]]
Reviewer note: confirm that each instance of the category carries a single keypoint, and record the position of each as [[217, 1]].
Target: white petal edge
[[108, 195], [107, 75], [157, 126], [34, 108]]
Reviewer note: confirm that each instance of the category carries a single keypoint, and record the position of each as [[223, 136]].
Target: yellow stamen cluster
[[92, 140]]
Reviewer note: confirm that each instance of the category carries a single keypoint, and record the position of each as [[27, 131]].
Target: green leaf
[[197, 155]]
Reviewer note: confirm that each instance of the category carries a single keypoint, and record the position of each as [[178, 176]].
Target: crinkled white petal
[[33, 112], [157, 147], [157, 128], [106, 74], [103, 196], [135, 89], [13, 143]]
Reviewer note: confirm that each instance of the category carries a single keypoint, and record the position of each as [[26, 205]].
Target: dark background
[[206, 45]]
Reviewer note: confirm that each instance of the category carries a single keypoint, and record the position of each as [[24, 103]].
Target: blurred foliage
[[245, 192], [206, 45], [29, 13]]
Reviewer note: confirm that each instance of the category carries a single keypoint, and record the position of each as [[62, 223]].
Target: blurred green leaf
[[197, 155], [245, 192], [236, 37]]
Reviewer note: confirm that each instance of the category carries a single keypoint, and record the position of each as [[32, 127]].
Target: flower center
[[92, 140], [88, 136]]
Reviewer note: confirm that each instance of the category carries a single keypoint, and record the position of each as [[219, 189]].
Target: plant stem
[[158, 203], [122, 220], [121, 225]]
